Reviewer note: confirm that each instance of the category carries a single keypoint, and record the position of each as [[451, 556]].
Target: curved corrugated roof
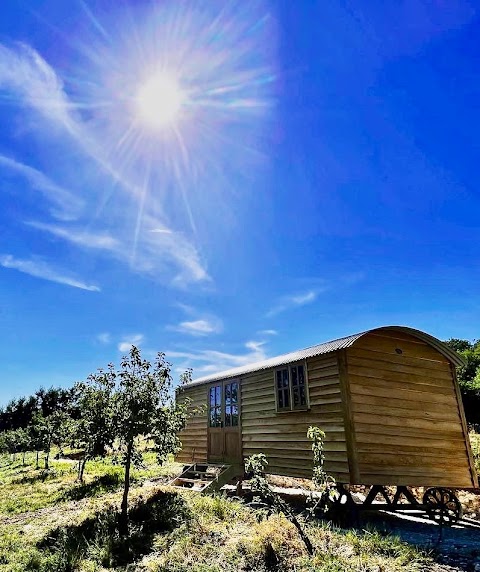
[[326, 348]]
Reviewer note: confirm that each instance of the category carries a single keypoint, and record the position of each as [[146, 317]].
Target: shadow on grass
[[98, 539], [100, 485], [41, 475]]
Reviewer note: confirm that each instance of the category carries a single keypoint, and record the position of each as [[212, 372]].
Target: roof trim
[[325, 348]]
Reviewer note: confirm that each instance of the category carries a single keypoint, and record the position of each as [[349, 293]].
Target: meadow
[[50, 522]]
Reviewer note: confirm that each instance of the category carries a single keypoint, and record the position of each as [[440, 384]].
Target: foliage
[[256, 465], [43, 530], [469, 376], [324, 483], [94, 428], [19, 413], [55, 429], [475, 443], [144, 405]]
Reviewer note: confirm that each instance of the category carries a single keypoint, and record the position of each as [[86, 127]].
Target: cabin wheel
[[442, 505]]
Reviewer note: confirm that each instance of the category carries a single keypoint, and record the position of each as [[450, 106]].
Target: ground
[[51, 522]]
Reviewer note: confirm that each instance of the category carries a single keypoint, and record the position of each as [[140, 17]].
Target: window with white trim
[[291, 387]]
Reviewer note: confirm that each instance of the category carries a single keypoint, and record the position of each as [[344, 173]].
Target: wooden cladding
[[389, 405], [194, 436], [406, 415]]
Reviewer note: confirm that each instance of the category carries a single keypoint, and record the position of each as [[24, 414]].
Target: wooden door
[[224, 435]]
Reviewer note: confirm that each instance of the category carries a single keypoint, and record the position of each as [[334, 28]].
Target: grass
[[475, 442], [48, 522]]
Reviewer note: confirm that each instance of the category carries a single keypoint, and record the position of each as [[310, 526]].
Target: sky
[[227, 181]]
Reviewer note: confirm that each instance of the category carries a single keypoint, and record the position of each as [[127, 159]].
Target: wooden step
[[204, 477]]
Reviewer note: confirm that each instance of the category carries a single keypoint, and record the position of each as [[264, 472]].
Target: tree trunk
[[123, 522], [23, 459], [47, 454], [37, 466], [81, 468]]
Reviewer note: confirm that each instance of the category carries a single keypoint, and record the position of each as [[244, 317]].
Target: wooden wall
[[283, 436], [194, 436], [407, 423]]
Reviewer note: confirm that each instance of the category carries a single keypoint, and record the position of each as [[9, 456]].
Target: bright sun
[[159, 100]]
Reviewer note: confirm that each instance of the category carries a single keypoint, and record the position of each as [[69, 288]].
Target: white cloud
[[141, 240], [40, 269], [292, 301], [201, 327], [24, 71], [79, 237], [268, 333], [209, 361], [104, 338], [302, 299], [129, 341], [68, 205]]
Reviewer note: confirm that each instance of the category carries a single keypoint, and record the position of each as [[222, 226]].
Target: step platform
[[204, 477]]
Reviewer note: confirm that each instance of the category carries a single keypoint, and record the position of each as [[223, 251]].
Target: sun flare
[[159, 101]]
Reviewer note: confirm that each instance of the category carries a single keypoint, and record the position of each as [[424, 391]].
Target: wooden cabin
[[387, 399]]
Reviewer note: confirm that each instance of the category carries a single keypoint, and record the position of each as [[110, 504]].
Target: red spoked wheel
[[442, 506]]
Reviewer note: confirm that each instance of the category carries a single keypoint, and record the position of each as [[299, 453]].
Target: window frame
[[221, 406], [291, 408]]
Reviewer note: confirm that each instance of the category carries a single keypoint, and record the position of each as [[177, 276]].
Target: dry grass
[[48, 522]]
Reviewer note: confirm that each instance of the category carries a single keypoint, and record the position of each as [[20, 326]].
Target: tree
[[22, 440], [468, 376], [52, 430], [144, 406], [95, 423]]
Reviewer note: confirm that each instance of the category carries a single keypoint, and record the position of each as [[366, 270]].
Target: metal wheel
[[442, 505]]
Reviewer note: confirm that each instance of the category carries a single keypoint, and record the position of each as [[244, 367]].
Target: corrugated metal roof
[[326, 348]]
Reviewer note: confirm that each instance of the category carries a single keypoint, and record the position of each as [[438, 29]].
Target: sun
[[159, 100]]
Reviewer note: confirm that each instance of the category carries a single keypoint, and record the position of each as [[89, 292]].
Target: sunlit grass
[[475, 443], [51, 522]]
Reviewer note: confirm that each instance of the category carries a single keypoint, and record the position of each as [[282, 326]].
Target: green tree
[[144, 406], [23, 443], [55, 429], [94, 429], [468, 376]]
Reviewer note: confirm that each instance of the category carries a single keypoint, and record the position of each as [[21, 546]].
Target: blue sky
[[317, 177]]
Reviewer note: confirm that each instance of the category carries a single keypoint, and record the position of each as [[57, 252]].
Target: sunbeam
[[182, 91]]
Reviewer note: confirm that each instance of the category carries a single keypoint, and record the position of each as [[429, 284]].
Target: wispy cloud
[[198, 327], [25, 72], [153, 254], [104, 338], [67, 205], [129, 341], [40, 269], [198, 324], [142, 240], [79, 237], [292, 301], [210, 361], [268, 333]]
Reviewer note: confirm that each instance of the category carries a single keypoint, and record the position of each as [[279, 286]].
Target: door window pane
[[215, 417], [234, 415]]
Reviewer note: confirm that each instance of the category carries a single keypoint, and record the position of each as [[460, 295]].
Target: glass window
[[229, 408], [290, 385], [283, 391], [216, 406], [231, 404]]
